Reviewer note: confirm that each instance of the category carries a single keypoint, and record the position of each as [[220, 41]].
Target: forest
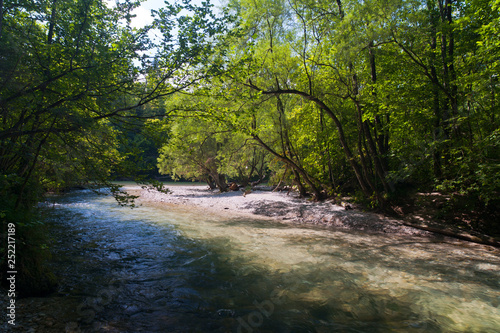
[[375, 100]]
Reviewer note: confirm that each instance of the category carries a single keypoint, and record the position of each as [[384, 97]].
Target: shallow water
[[157, 269]]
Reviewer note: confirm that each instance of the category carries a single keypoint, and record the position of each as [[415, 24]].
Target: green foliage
[[361, 97], [156, 185], [75, 78], [478, 170], [190, 151], [33, 277]]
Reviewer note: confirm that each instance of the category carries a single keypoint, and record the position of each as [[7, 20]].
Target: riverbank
[[288, 207]]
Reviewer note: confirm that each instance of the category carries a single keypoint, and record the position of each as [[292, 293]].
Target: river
[[153, 269]]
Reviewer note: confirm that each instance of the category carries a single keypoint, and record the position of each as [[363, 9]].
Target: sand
[[282, 206]]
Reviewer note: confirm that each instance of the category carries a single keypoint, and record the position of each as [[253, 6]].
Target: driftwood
[[450, 232]]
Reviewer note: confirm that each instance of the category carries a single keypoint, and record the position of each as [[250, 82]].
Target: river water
[[153, 269]]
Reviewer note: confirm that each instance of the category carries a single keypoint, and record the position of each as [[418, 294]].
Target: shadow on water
[[122, 270]]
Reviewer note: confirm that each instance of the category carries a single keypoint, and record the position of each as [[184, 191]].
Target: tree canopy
[[75, 79], [346, 97], [74, 74], [364, 97]]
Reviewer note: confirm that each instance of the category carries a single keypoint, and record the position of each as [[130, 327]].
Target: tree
[[364, 72], [204, 145], [191, 152], [72, 74]]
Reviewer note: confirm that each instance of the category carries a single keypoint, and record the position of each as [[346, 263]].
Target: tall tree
[[370, 68], [72, 72]]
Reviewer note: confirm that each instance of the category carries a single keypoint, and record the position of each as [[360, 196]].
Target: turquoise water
[[154, 269]]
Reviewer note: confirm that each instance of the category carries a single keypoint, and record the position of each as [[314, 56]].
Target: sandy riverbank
[[281, 206], [289, 208]]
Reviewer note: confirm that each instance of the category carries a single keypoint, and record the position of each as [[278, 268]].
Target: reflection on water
[[163, 270]]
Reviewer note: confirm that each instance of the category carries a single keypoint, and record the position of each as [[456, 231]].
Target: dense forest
[[372, 99]]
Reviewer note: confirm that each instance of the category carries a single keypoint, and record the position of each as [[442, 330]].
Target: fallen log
[[450, 232]]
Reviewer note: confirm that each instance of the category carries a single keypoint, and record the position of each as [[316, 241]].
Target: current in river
[[165, 269]]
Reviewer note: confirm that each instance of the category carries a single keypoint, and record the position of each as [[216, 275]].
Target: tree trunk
[[381, 133], [298, 182], [364, 137], [1, 18], [210, 182], [341, 11], [220, 181], [451, 67], [437, 131], [343, 141], [293, 165], [52, 22]]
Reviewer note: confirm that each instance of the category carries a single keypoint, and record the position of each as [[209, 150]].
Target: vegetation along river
[[153, 269]]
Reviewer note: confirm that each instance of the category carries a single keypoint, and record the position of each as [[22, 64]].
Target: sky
[[144, 11]]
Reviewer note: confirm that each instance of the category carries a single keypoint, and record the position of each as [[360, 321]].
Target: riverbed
[[173, 269]]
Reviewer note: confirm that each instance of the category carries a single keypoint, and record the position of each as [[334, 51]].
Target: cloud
[[143, 17], [143, 13]]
